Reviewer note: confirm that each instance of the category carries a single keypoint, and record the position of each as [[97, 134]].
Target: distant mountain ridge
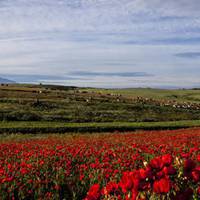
[[3, 80]]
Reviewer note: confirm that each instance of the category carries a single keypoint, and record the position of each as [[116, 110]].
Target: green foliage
[[70, 104], [60, 127], [22, 116]]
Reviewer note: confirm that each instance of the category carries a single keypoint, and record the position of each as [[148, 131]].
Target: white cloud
[[56, 37]]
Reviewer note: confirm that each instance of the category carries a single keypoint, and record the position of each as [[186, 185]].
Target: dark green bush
[[22, 116]]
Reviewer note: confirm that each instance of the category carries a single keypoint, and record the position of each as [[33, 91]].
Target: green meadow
[[47, 108]]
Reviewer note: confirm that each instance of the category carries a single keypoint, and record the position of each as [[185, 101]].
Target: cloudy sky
[[101, 43]]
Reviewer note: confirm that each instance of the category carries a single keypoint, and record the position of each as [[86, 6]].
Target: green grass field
[[68, 104], [43, 108], [59, 127], [181, 95]]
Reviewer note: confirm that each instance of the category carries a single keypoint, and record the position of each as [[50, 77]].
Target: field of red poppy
[[139, 165]]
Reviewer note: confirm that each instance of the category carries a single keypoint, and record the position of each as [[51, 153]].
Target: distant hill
[[3, 80]]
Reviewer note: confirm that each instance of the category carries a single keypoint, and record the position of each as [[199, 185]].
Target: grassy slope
[[63, 104], [178, 95], [61, 109]]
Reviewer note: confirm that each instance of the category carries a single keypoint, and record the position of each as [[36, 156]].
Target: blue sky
[[101, 43]]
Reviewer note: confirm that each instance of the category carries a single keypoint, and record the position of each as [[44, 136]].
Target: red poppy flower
[[198, 157], [169, 170], [189, 165], [161, 186], [111, 188], [126, 182], [157, 163], [196, 175], [167, 159], [93, 193]]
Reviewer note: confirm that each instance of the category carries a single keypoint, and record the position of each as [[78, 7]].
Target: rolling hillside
[[71, 104], [3, 80]]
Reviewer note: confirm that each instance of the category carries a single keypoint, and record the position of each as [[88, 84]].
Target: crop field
[[35, 127], [140, 165]]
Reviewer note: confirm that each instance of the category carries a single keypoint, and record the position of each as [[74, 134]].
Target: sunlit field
[[140, 165]]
